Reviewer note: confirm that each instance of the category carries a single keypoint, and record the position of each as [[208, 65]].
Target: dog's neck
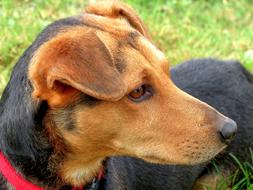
[[11, 177], [29, 148], [61, 173], [52, 169], [76, 169], [79, 172]]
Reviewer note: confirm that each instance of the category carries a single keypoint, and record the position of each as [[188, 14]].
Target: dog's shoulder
[[132, 173], [205, 78], [212, 71]]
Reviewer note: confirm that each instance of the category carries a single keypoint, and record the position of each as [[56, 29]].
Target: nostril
[[228, 130]]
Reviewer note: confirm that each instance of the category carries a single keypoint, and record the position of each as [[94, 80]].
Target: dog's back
[[226, 86]]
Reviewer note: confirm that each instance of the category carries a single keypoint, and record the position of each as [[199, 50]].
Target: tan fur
[[118, 10], [171, 127], [66, 59]]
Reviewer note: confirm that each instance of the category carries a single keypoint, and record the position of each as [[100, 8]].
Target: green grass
[[187, 29], [241, 179], [183, 29]]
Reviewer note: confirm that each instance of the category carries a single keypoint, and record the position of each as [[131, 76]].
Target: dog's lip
[[222, 149], [155, 159]]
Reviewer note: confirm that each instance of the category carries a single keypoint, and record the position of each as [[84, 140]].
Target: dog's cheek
[[96, 124]]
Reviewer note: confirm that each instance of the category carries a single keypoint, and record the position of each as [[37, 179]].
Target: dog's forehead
[[153, 55], [135, 57]]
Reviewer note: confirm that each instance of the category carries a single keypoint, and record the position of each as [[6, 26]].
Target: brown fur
[[83, 60]]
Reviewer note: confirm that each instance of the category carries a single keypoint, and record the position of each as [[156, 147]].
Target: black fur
[[22, 136], [88, 100], [228, 87], [224, 85]]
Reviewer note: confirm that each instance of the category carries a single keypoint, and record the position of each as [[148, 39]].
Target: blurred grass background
[[183, 29]]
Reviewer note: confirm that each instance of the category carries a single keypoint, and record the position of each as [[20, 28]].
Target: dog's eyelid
[[141, 93]]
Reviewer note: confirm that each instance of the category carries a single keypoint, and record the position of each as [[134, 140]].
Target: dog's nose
[[228, 130]]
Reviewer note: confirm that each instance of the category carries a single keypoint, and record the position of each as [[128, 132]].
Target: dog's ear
[[74, 62], [115, 9]]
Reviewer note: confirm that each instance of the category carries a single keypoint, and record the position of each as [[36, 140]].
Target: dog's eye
[[141, 93]]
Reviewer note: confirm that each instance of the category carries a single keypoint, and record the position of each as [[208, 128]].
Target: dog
[[226, 86], [95, 86]]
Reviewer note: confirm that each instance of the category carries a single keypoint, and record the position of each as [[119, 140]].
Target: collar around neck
[[13, 177], [20, 183]]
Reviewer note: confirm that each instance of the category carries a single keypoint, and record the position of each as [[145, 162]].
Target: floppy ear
[[73, 62], [116, 9]]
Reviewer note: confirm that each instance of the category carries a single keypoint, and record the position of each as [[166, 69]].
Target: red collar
[[19, 183], [13, 177]]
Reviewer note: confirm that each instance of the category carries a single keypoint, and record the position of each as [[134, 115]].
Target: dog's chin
[[186, 161], [155, 160]]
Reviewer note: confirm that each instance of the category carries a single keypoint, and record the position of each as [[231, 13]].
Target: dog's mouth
[[221, 150], [207, 157], [201, 158], [154, 159]]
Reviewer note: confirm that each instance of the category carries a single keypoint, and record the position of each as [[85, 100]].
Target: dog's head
[[109, 93]]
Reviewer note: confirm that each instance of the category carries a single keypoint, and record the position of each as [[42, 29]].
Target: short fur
[[225, 85], [66, 107]]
